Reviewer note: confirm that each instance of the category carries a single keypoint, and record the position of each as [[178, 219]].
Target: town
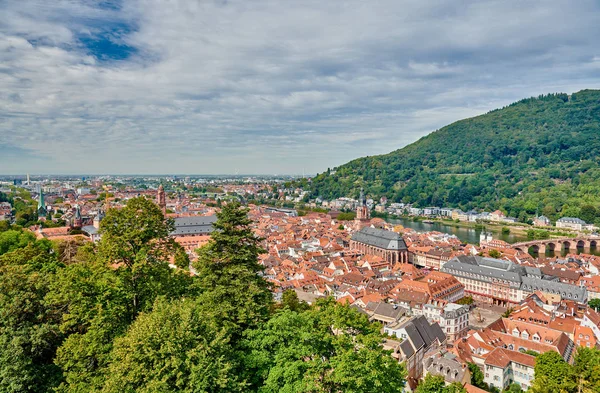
[[443, 304]]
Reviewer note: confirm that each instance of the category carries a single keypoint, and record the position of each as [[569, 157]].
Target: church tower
[[41, 209], [362, 211], [161, 199], [77, 219]]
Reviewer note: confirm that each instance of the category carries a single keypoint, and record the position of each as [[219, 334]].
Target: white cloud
[[269, 86]]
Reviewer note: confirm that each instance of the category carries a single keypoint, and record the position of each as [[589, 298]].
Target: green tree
[[95, 308], [588, 213], [104, 290], [436, 384], [135, 240], [329, 348], [514, 388], [494, 253], [11, 240], [553, 374], [177, 347], [467, 300], [289, 300], [431, 384], [228, 271], [477, 376], [29, 334], [586, 368], [595, 304], [508, 312]]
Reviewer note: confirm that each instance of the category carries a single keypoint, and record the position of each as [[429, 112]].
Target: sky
[[268, 86]]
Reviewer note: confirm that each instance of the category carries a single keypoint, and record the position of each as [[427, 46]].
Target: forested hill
[[539, 154]]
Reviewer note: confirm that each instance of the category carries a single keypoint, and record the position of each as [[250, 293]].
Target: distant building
[[362, 211], [571, 223], [541, 221], [431, 211], [193, 225], [418, 337], [454, 321], [386, 244], [504, 367], [445, 364], [93, 230], [41, 209], [446, 212], [505, 283], [161, 199], [77, 218], [5, 211], [287, 212], [497, 216]]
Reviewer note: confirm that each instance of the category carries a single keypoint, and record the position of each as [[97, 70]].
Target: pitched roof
[[380, 238], [193, 225]]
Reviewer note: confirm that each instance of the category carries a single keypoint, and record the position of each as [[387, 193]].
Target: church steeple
[[77, 218], [161, 199], [41, 209], [362, 211]]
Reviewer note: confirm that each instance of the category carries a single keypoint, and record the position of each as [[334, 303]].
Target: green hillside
[[539, 154]]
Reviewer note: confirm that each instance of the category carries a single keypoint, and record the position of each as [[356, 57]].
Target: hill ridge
[[537, 154]]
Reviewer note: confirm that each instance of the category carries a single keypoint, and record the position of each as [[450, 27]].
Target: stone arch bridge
[[570, 244]]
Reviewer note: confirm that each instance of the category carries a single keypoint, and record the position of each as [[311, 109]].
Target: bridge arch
[[593, 243], [535, 248]]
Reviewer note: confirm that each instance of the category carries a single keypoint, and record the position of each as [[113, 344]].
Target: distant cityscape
[[442, 302]]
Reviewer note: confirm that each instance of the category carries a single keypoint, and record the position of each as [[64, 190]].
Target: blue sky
[[268, 86]]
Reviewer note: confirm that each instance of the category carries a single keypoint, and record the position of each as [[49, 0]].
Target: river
[[471, 235], [467, 235]]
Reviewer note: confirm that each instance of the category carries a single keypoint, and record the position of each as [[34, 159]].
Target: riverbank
[[470, 232], [517, 229]]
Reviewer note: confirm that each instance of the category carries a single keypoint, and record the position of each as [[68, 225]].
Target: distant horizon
[[149, 174]]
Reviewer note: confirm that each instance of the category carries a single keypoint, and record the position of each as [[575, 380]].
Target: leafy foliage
[[116, 318], [174, 348], [330, 348], [436, 384], [595, 304], [537, 155], [29, 334], [554, 375]]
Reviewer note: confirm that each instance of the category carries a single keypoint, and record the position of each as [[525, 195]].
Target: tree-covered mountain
[[536, 155]]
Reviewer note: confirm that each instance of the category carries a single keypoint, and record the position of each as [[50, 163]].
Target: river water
[[467, 235], [471, 235]]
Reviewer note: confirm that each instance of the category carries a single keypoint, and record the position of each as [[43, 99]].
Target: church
[[385, 244]]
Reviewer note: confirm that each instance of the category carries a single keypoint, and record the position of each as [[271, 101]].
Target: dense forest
[[539, 155], [126, 315]]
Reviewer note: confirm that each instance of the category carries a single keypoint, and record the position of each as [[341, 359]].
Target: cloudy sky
[[268, 86]]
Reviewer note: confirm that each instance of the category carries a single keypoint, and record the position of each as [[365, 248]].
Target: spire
[[362, 200], [41, 205], [41, 200], [77, 219]]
